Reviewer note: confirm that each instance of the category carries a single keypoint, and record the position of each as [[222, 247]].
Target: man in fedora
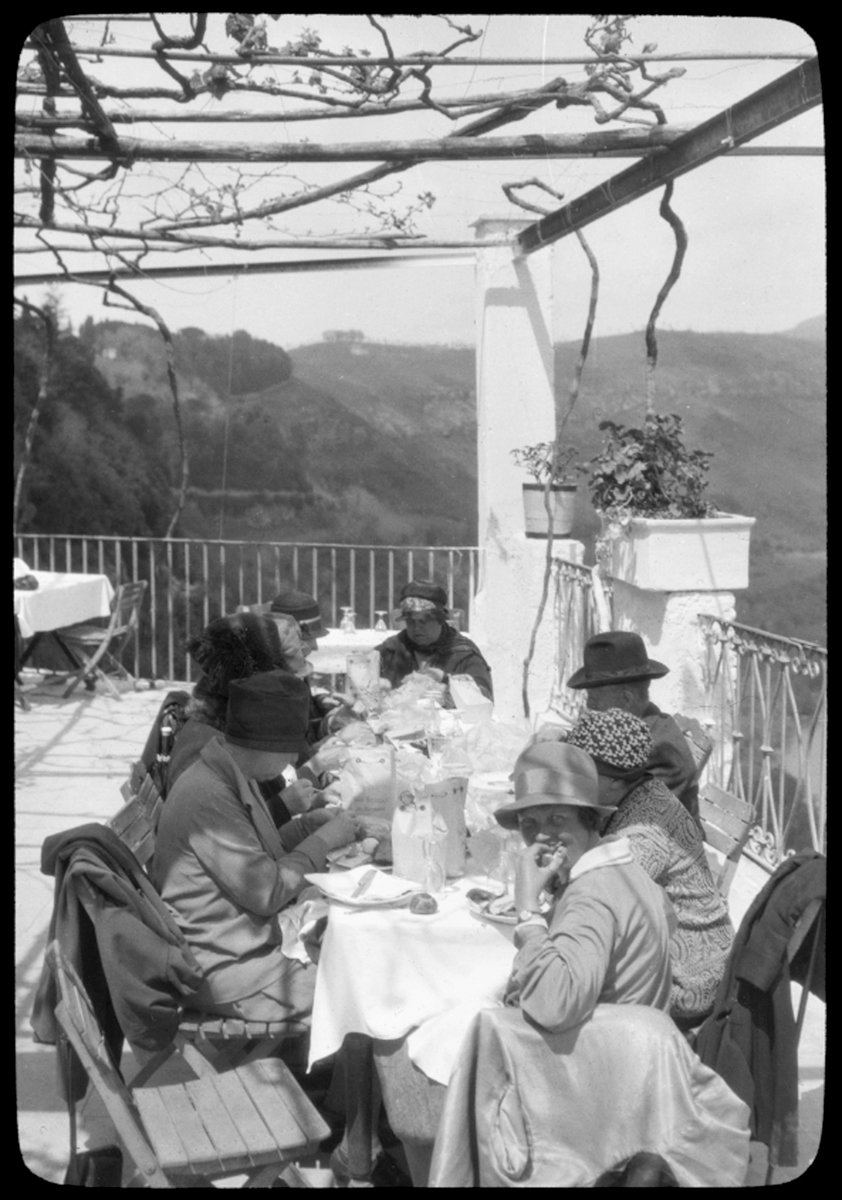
[[616, 674], [429, 644], [226, 869], [605, 939]]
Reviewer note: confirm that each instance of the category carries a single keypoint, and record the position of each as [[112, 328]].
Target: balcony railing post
[[777, 729]]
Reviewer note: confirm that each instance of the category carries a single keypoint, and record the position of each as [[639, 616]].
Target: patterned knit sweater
[[666, 841]]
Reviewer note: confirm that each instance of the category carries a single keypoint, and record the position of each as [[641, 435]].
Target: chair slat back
[[726, 821], [126, 604], [136, 822], [700, 742]]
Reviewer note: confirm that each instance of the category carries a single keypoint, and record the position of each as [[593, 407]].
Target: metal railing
[[577, 614], [772, 694], [191, 582]]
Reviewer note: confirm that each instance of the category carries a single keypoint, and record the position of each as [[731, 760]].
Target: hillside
[[354, 441]]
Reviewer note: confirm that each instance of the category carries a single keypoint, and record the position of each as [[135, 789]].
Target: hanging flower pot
[[562, 503], [543, 463]]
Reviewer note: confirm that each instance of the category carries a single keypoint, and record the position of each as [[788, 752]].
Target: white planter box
[[683, 556]]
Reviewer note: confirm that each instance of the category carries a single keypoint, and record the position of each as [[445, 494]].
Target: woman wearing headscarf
[[429, 644], [667, 843]]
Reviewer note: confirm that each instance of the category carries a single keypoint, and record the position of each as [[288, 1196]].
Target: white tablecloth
[[61, 599], [335, 646], [386, 972]]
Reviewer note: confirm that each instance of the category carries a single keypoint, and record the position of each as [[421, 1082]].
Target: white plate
[[348, 861], [383, 890], [367, 902], [481, 912]]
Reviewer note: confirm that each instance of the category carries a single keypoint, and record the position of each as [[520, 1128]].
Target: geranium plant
[[649, 472], [538, 461]]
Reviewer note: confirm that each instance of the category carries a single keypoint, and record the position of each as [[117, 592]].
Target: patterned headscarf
[[415, 604], [619, 742]]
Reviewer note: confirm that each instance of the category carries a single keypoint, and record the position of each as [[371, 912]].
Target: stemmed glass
[[347, 623], [380, 625]]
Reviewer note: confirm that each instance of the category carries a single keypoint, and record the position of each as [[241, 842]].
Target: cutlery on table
[[364, 884]]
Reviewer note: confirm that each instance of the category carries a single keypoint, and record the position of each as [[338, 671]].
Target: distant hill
[[814, 329], [757, 401], [354, 441]]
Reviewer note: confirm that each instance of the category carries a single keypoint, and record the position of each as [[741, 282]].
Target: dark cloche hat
[[615, 657], [269, 711], [303, 607]]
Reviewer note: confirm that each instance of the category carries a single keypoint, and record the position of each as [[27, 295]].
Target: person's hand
[[435, 673], [299, 796], [332, 794], [339, 830], [549, 733], [531, 877]]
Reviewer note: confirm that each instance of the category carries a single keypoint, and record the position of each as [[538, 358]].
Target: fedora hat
[[551, 773], [615, 657]]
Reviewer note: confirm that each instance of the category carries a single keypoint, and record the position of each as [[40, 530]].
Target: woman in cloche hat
[[604, 938]]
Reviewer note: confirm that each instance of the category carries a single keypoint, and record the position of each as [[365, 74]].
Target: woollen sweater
[[667, 843]]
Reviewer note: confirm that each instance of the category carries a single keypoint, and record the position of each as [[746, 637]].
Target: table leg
[[360, 1103]]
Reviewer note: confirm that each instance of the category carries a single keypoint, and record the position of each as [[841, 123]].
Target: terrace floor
[[71, 757]]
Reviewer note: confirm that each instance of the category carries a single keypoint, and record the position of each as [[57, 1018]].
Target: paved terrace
[[71, 758]]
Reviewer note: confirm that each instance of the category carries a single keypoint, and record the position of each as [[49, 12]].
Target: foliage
[[649, 472], [88, 474], [538, 461]]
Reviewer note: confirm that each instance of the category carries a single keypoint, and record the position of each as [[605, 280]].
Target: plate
[[368, 902], [348, 861], [481, 912]]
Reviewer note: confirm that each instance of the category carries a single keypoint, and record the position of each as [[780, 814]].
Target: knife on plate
[[364, 884]]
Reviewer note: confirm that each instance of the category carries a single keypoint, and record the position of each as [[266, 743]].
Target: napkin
[[298, 920], [382, 887]]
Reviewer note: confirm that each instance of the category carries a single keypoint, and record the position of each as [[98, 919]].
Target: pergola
[[78, 129]]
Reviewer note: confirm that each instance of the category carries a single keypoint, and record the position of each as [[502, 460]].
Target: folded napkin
[[298, 921], [380, 890], [20, 568]]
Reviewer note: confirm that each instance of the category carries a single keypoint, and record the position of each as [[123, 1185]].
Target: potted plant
[[660, 532], [538, 461]]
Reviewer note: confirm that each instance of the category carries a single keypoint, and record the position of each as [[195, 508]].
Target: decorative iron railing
[[579, 611], [191, 582], [771, 693]]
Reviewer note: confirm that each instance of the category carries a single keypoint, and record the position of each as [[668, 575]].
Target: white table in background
[[62, 598], [336, 645]]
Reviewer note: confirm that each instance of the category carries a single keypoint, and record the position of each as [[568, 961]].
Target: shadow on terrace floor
[[72, 757]]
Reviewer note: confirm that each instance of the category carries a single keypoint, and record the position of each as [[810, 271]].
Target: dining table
[[62, 598], [392, 978], [332, 649]]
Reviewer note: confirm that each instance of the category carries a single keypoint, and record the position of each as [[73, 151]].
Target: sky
[[756, 226]]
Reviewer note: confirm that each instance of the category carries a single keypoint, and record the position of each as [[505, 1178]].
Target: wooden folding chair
[[726, 822], [253, 1119], [93, 643], [700, 742]]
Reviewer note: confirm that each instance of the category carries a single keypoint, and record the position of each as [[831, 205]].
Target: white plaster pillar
[[668, 623], [515, 407]]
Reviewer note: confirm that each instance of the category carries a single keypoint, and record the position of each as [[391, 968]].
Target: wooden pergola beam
[[33, 145], [373, 262], [794, 93], [315, 61]]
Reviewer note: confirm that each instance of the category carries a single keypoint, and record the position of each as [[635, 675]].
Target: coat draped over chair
[[527, 1108]]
